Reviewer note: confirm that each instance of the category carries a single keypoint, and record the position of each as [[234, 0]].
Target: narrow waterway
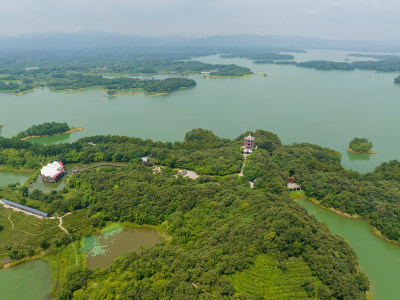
[[379, 259]]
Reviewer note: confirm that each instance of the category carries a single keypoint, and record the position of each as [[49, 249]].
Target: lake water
[[104, 248], [7, 178], [379, 260], [328, 108], [29, 281]]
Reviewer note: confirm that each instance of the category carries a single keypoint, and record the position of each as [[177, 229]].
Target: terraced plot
[[21, 231]]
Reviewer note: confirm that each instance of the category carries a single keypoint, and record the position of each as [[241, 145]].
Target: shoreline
[[74, 129], [228, 76], [8, 169], [119, 94], [22, 261], [375, 230], [355, 152], [157, 94]]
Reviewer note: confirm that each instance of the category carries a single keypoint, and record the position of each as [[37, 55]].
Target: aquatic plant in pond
[[112, 230], [92, 247], [97, 245]]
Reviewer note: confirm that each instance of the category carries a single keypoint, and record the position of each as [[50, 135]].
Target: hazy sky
[[337, 19]]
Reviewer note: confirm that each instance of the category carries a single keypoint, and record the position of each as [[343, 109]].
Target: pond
[[115, 241], [380, 260], [7, 178], [44, 186], [29, 281]]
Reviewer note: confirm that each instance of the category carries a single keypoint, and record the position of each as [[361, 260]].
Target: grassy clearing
[[265, 279], [21, 231]]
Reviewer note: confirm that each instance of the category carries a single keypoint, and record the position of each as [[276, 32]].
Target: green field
[[78, 224], [21, 231], [266, 280]]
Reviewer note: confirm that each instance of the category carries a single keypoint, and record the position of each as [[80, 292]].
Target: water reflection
[[354, 156], [44, 186], [55, 139]]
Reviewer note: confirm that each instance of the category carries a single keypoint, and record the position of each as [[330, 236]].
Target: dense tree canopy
[[211, 219], [47, 128]]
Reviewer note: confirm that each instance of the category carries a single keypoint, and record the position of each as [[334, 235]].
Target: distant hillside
[[93, 39]]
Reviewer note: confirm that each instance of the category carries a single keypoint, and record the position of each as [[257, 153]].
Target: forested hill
[[225, 236]]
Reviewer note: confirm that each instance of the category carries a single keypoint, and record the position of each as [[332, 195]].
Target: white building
[[53, 172]]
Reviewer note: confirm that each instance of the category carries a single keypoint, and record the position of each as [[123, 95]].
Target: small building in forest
[[248, 144], [291, 185], [53, 172], [145, 159]]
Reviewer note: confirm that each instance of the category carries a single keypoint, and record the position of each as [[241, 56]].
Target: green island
[[360, 146], [46, 129], [382, 63], [327, 65], [225, 239], [261, 57], [231, 71], [66, 71], [397, 80]]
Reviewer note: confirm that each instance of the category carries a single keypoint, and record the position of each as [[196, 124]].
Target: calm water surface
[[7, 178], [379, 260], [328, 108], [30, 281], [44, 186]]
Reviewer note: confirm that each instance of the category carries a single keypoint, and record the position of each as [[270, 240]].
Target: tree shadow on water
[[354, 156]]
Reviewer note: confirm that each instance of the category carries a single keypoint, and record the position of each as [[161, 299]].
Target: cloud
[[357, 19]]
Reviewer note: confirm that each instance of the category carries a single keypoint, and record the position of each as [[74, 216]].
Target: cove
[[29, 281], [7, 178], [116, 241], [380, 260]]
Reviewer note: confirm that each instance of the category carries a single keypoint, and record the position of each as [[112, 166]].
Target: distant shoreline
[[363, 153], [229, 76], [38, 136]]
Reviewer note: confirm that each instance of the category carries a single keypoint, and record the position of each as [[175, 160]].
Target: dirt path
[[66, 231], [244, 163], [9, 219]]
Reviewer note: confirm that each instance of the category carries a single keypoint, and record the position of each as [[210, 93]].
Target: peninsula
[[46, 129]]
